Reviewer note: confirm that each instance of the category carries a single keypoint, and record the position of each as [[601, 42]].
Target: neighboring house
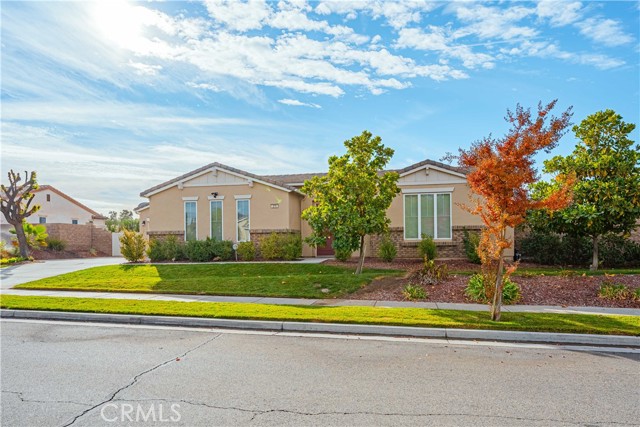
[[226, 203], [56, 208]]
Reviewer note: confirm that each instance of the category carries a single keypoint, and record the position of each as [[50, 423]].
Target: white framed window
[[190, 221], [243, 220], [42, 219], [215, 215], [74, 221], [428, 214]]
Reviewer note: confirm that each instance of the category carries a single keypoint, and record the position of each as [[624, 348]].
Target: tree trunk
[[595, 261], [361, 258], [22, 240], [497, 296]]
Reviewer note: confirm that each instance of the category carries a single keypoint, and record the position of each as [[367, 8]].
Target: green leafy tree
[[122, 221], [352, 199], [606, 196], [15, 204]]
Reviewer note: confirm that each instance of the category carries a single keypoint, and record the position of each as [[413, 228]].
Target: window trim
[[211, 201], [184, 217], [76, 221], [41, 218], [435, 215], [248, 200]]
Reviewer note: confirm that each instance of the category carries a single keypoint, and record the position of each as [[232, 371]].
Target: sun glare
[[118, 21]]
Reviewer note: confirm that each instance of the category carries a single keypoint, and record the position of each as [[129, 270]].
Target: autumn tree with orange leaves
[[500, 172]]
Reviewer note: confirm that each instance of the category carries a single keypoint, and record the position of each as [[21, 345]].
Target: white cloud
[[239, 15], [492, 22], [438, 40], [559, 13], [296, 103], [604, 31], [552, 50]]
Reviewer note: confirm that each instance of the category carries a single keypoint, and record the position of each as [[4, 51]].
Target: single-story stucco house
[[222, 202]]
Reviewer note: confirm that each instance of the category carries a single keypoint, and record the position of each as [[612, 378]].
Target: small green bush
[[614, 291], [430, 273], [246, 251], [427, 247], [414, 292], [55, 244], [471, 242], [477, 291], [132, 246], [173, 249], [222, 249], [281, 246], [343, 254], [198, 251], [155, 251], [387, 251], [635, 295], [291, 247]]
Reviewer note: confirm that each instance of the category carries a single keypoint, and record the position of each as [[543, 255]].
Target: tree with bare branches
[[15, 204]]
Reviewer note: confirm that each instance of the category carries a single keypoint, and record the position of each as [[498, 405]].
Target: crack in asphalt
[[136, 378], [20, 395], [258, 412]]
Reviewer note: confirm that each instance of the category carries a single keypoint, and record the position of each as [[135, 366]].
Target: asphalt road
[[57, 374]]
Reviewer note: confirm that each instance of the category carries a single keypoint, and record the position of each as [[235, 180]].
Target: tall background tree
[[122, 221], [351, 201], [501, 171], [15, 204], [606, 196]]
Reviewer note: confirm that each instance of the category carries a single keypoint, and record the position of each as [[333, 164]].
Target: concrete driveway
[[22, 273]]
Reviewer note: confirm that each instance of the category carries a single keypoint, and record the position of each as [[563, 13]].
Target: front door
[[327, 249]]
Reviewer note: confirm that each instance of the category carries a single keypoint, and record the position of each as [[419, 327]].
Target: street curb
[[335, 328]]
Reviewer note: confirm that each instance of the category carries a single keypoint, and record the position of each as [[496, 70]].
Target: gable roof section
[[286, 182], [436, 165], [94, 214], [175, 181]]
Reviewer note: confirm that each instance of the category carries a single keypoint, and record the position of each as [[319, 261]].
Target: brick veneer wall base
[[82, 237], [161, 235], [409, 249]]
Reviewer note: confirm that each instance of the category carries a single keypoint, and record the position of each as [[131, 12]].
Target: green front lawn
[[267, 280], [541, 322]]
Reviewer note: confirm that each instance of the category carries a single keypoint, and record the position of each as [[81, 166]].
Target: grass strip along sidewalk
[[538, 322], [265, 280]]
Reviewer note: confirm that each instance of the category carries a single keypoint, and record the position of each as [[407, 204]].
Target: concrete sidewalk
[[323, 302]]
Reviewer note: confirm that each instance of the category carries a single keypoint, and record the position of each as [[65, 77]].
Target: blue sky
[[106, 99]]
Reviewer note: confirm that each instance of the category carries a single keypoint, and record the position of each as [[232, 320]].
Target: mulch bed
[[536, 290]]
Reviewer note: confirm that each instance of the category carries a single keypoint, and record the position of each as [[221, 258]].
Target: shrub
[[246, 251], [222, 249], [173, 249], [198, 250], [36, 234], [281, 246], [477, 290], [617, 251], [635, 295], [414, 292], [552, 249], [614, 291], [343, 255], [427, 247], [155, 251], [471, 242], [55, 244], [132, 246], [430, 273], [291, 247], [387, 251]]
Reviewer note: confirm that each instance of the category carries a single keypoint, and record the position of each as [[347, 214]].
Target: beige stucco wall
[[166, 209]]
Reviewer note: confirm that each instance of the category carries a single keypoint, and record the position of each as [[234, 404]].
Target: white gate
[[115, 244]]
